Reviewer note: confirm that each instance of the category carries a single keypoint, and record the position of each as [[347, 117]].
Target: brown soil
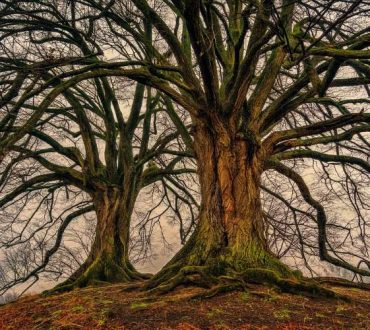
[[109, 307]]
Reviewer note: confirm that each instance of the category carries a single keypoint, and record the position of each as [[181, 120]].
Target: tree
[[63, 150], [265, 84], [68, 123], [63, 147]]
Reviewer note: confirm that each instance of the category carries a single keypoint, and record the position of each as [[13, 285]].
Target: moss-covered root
[[334, 281], [188, 275], [60, 288], [291, 285], [135, 286], [214, 284], [101, 271], [218, 289]]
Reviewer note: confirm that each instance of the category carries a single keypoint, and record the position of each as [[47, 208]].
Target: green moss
[[139, 305], [221, 269], [101, 322], [340, 309], [261, 275], [244, 296], [297, 273], [78, 308], [219, 266], [253, 255], [283, 314], [103, 270], [215, 312], [307, 318], [272, 296]]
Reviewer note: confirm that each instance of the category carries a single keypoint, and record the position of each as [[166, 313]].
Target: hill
[[110, 307]]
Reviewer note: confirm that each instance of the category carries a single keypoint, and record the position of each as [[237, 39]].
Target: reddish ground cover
[[109, 307]]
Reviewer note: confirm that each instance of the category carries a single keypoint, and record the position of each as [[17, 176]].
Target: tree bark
[[230, 237], [108, 260]]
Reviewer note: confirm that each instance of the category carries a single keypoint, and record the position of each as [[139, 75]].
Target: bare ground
[[109, 307]]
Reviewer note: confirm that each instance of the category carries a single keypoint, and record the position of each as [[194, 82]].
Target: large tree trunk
[[108, 260], [230, 237]]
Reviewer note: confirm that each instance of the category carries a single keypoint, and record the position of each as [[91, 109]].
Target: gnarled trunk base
[[102, 270], [108, 261], [227, 272], [229, 248]]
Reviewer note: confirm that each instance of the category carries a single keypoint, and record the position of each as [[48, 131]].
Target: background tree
[[59, 175], [266, 84], [80, 135]]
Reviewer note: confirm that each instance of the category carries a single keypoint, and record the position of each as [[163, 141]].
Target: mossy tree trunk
[[231, 229], [230, 237], [108, 260]]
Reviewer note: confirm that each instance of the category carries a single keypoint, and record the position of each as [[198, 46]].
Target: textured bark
[[231, 217], [108, 260], [230, 236]]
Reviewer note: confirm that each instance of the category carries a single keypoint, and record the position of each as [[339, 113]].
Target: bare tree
[[83, 134], [64, 151]]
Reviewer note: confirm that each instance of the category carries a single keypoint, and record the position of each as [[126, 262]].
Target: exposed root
[[60, 288], [342, 282], [188, 275], [102, 271], [203, 276], [218, 289], [291, 285], [133, 286]]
